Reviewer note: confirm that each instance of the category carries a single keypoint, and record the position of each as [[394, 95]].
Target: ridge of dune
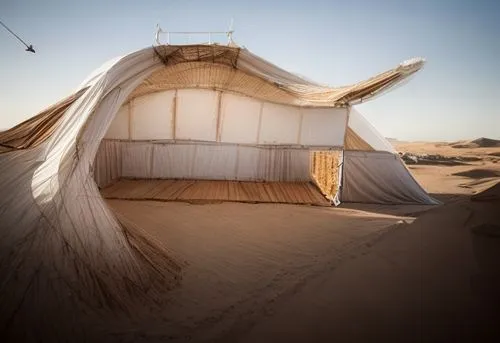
[[489, 194], [481, 142]]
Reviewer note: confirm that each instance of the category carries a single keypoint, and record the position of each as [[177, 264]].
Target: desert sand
[[298, 273]]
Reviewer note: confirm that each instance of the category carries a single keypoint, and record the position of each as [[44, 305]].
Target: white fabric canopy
[[215, 116], [363, 128]]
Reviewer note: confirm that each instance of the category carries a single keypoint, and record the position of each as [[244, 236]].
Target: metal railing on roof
[[188, 34]]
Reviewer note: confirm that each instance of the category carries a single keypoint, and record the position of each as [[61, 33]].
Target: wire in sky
[[28, 47]]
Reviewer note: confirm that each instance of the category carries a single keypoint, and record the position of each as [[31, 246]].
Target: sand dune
[[490, 194], [478, 143], [479, 173], [478, 169]]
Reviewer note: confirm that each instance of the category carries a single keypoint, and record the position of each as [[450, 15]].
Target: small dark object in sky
[[28, 47]]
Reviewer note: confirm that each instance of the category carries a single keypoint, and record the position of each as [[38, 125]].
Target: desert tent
[[201, 111], [240, 118]]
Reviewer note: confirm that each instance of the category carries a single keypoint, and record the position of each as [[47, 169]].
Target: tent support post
[[174, 115], [337, 199], [129, 118], [299, 134], [260, 122], [218, 131], [346, 124]]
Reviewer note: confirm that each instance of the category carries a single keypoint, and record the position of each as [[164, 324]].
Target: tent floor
[[207, 191]]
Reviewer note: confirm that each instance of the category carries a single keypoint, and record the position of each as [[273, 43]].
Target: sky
[[333, 42]]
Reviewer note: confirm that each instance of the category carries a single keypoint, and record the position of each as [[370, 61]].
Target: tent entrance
[[204, 172]]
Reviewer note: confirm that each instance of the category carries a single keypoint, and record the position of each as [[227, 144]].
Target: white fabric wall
[[279, 124], [368, 133], [117, 159], [213, 116], [379, 177], [151, 116], [240, 119], [323, 126], [119, 127], [196, 117], [136, 160]]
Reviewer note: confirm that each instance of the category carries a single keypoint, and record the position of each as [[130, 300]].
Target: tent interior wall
[[210, 134], [223, 113], [218, 116], [207, 134]]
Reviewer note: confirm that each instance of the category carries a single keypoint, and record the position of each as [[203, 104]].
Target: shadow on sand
[[405, 210]]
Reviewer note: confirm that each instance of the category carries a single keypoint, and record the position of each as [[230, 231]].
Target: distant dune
[[445, 153], [490, 194], [478, 173], [477, 143]]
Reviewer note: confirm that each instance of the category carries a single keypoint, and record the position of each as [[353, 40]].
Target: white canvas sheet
[[108, 163], [199, 161], [136, 159], [216, 162], [279, 124], [379, 177], [239, 119], [323, 126], [172, 161], [191, 161], [367, 132], [119, 128], [247, 167], [151, 116], [196, 114]]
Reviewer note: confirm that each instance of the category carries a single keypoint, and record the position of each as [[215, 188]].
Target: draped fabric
[[237, 69], [354, 142], [361, 135], [37, 129], [65, 257], [150, 160], [379, 177]]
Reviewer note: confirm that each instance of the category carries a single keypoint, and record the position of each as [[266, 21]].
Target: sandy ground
[[290, 273], [243, 258]]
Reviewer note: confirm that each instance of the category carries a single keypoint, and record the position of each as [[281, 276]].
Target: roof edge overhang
[[305, 91], [35, 130]]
